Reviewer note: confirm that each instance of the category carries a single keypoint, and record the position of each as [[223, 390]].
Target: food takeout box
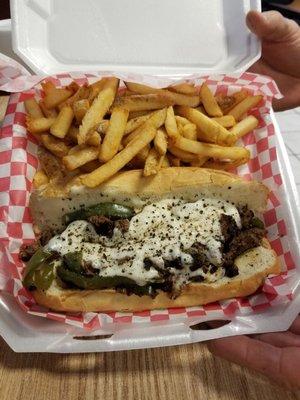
[[155, 42]]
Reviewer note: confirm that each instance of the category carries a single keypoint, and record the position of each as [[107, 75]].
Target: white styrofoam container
[[158, 37]]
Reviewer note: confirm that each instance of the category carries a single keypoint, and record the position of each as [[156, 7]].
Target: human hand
[[275, 355], [280, 54]]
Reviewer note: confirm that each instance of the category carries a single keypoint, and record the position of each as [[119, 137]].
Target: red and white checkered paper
[[18, 163]]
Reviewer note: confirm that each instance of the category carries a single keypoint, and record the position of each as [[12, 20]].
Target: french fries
[[160, 142], [39, 125], [174, 98], [114, 165], [93, 131], [33, 109], [211, 150], [171, 124], [245, 126], [62, 123], [80, 157], [209, 102], [208, 130], [80, 108], [98, 109], [244, 106], [114, 134], [152, 163]]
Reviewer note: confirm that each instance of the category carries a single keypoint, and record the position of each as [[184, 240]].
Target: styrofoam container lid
[[158, 37]]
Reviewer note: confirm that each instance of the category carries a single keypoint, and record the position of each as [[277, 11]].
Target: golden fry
[[189, 131], [94, 139], [174, 161], [55, 96], [54, 145], [98, 109], [226, 103], [161, 142], [244, 106], [208, 130], [173, 97], [164, 162], [80, 108], [39, 125], [80, 157], [199, 162], [185, 156], [62, 123], [96, 87], [227, 121], [209, 102], [73, 86], [40, 179], [114, 165], [48, 86], [144, 102], [72, 134], [212, 150], [48, 113], [33, 109], [114, 134], [135, 123], [245, 126], [81, 94], [135, 114], [90, 166], [181, 120], [103, 126], [171, 124], [184, 88], [152, 163], [225, 165], [49, 163]]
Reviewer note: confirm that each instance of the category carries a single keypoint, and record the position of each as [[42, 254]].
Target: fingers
[[271, 26], [280, 339], [280, 365], [295, 327]]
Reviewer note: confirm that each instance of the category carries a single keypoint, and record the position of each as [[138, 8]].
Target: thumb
[[271, 26]]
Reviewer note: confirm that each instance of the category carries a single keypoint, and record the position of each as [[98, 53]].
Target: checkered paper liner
[[18, 163]]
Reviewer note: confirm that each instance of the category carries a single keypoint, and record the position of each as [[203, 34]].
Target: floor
[[289, 122]]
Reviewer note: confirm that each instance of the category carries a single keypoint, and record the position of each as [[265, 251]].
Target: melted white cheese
[[163, 230]]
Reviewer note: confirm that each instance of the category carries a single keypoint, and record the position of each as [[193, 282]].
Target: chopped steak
[[246, 217], [200, 260], [103, 225], [244, 241], [229, 228], [175, 263], [122, 225], [28, 250], [232, 271]]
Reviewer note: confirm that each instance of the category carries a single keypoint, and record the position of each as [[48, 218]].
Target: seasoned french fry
[[226, 103], [181, 120], [244, 106], [96, 87], [80, 157], [94, 139], [98, 109], [62, 123], [102, 126], [39, 125], [144, 102], [199, 162], [73, 134], [227, 121], [40, 179], [245, 126], [209, 102], [80, 108], [189, 131], [51, 113], [184, 88], [161, 142], [114, 134], [171, 124], [73, 86], [48, 86], [135, 123], [174, 161], [185, 156], [55, 96], [143, 154], [202, 110], [211, 150], [33, 109], [107, 170], [208, 130], [49, 163], [135, 114], [152, 163], [55, 146], [225, 165], [173, 97], [81, 94]]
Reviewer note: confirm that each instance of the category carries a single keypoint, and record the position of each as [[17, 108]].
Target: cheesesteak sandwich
[[184, 237]]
